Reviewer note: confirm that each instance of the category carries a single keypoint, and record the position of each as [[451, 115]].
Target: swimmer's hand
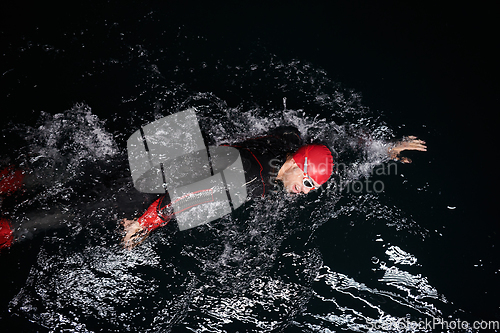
[[408, 143], [134, 233]]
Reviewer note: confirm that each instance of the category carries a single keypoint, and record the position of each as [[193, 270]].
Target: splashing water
[[240, 271], [66, 158], [270, 266]]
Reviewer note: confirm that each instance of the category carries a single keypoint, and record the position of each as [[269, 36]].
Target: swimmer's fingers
[[134, 233], [412, 143], [404, 160], [414, 146], [126, 222], [401, 159], [408, 143]]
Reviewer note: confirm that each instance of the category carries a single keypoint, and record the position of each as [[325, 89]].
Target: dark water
[[414, 242]]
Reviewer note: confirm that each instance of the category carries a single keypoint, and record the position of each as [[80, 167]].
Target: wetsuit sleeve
[[6, 237], [11, 180], [156, 215]]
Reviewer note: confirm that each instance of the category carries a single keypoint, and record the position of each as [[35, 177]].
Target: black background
[[431, 67]]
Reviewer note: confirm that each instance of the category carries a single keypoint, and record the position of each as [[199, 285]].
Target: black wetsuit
[[262, 158]]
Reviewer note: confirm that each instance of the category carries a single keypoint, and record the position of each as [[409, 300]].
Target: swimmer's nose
[[305, 190]]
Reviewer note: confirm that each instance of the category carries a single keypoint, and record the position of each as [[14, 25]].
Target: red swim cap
[[319, 161], [5, 233]]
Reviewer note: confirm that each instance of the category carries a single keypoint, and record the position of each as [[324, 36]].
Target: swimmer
[[277, 161]]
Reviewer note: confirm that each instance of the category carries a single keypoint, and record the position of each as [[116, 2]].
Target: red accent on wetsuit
[[260, 172], [6, 236], [11, 179], [151, 219], [260, 165]]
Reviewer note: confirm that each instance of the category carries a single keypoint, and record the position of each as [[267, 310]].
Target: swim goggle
[[307, 181]]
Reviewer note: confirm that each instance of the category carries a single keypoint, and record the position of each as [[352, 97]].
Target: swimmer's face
[[293, 180]]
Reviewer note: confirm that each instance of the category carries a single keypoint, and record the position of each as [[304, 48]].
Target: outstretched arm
[[137, 230], [407, 143]]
